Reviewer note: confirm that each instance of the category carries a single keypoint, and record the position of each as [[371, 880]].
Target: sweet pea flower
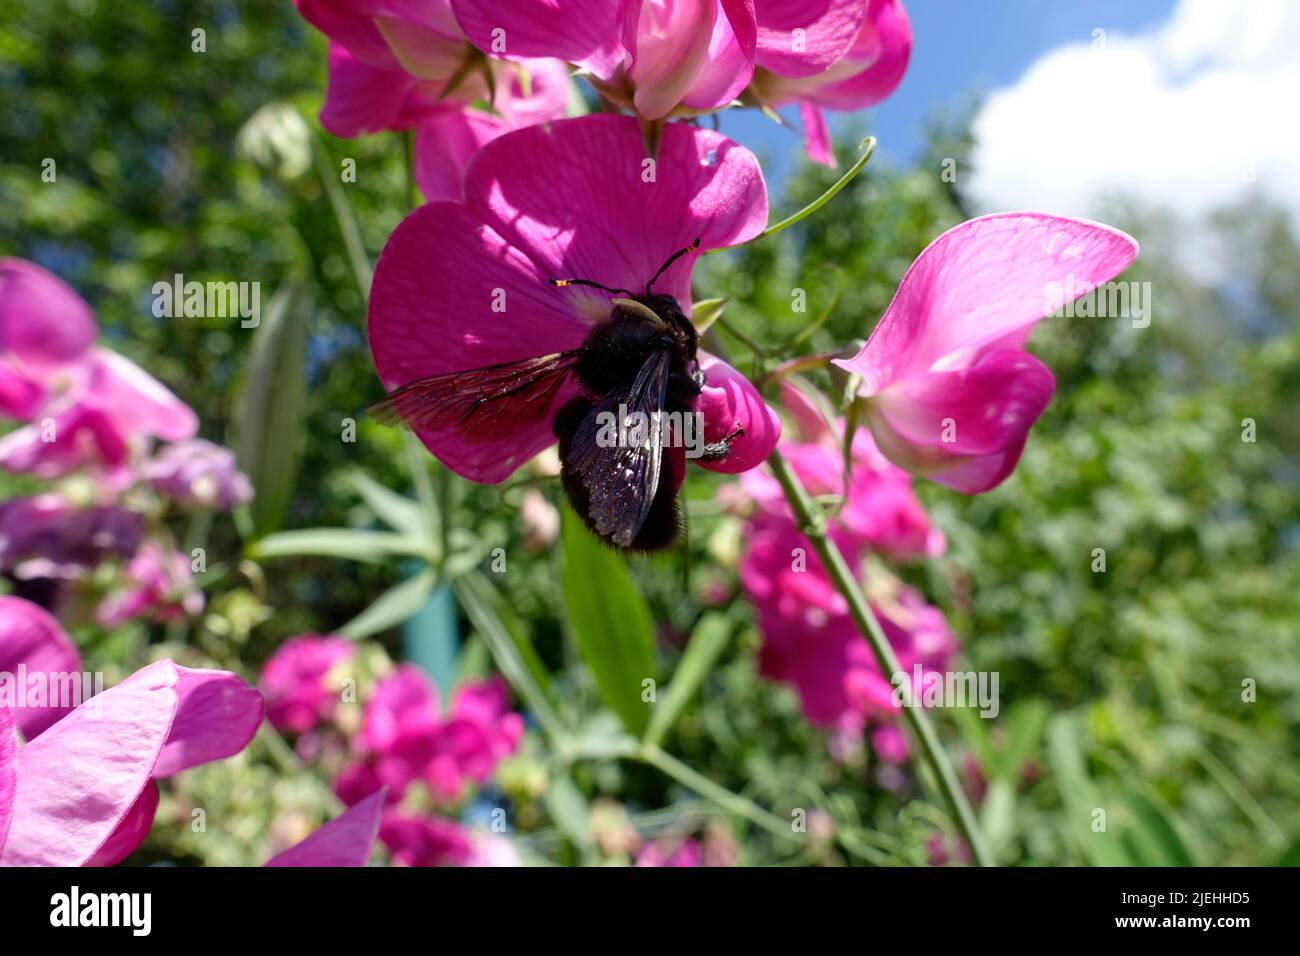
[[567, 199], [860, 74], [46, 331], [81, 791], [198, 474], [92, 407], [296, 681], [347, 840], [662, 58], [434, 841], [33, 644], [157, 584], [44, 536], [948, 389]]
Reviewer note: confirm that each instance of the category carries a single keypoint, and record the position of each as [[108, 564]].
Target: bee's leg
[[717, 450]]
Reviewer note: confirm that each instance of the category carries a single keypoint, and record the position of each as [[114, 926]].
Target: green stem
[[343, 214], [813, 524], [692, 780], [868, 146]]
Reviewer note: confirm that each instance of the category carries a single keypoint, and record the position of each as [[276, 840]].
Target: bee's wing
[[480, 404], [622, 478]]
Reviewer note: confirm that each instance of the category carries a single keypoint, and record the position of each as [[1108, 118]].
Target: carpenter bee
[[620, 462]]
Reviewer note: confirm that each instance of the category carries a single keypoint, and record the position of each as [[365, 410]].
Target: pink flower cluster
[[424, 759], [459, 73], [88, 411], [809, 638]]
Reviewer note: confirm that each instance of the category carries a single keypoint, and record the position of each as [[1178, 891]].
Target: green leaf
[[349, 543], [610, 622], [269, 416], [391, 608], [1080, 797], [706, 644], [400, 513], [705, 312], [1151, 835]]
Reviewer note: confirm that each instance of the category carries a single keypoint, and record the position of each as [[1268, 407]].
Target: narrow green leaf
[[391, 608], [705, 312], [348, 543], [706, 644], [1080, 798], [268, 422], [400, 513], [1152, 834], [610, 622]]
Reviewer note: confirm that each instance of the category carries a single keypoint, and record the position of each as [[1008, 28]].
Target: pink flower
[[405, 738], [685, 853], [45, 537], [295, 681], [87, 406], [46, 330], [564, 200], [811, 642], [344, 841], [81, 791], [425, 841], [198, 474], [654, 57], [36, 657], [847, 76], [157, 584], [949, 391]]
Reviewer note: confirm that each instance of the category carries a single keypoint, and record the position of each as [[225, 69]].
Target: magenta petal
[[8, 772], [873, 66], [584, 32], [217, 715], [444, 145], [139, 401], [352, 26], [19, 397], [431, 312], [816, 137], [965, 428], [79, 779], [579, 197], [345, 841], [730, 400], [826, 31], [988, 280], [730, 61], [360, 98], [130, 833], [30, 637], [43, 322]]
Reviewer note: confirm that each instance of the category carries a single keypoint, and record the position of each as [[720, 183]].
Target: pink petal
[[8, 772], [583, 32], [543, 99], [829, 27], [730, 63], [43, 322], [980, 282], [30, 637], [217, 715], [20, 397], [575, 195], [345, 841], [816, 137], [130, 833], [444, 145], [79, 779], [138, 400], [730, 400], [353, 26], [872, 68], [670, 44], [360, 98]]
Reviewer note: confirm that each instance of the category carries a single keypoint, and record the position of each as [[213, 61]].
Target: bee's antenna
[[671, 259], [561, 283]]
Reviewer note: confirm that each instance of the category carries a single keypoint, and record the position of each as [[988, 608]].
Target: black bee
[[635, 367]]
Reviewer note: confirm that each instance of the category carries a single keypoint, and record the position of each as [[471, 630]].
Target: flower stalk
[[812, 523]]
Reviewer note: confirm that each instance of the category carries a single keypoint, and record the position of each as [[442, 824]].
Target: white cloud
[[1191, 116]]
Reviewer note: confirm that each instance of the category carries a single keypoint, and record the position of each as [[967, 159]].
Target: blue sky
[[960, 47]]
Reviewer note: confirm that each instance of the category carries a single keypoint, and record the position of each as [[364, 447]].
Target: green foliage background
[[1121, 690]]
